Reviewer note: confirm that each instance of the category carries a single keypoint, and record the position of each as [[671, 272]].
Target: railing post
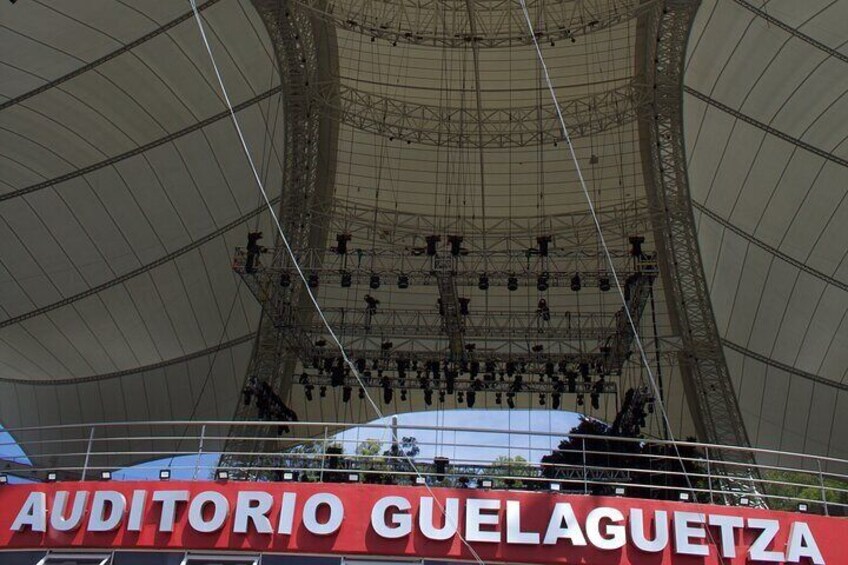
[[199, 451], [87, 453], [585, 475], [823, 491], [323, 457], [709, 473]]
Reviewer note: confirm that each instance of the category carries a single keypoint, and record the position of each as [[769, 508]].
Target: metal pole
[[87, 453], [199, 451], [585, 475], [323, 457], [823, 491], [709, 473]]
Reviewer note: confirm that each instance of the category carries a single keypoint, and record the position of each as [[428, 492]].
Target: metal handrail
[[705, 471]]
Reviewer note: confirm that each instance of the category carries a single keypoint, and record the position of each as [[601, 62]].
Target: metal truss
[[485, 23], [528, 266], [428, 124], [306, 53], [707, 382]]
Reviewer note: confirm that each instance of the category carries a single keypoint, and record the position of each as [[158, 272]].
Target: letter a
[[33, 513]]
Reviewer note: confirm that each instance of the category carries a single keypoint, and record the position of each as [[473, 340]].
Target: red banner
[[369, 520]]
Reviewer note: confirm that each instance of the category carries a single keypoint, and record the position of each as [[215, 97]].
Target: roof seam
[[129, 372], [138, 150], [143, 269], [104, 59], [783, 366], [793, 31], [765, 127], [768, 248]]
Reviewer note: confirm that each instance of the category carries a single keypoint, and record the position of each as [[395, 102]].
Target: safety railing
[[435, 455]]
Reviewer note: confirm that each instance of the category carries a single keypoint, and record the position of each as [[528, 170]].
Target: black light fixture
[[455, 242], [4, 479], [374, 281], [164, 474], [285, 280], [575, 282], [428, 396], [441, 464], [512, 283], [463, 306], [544, 242], [314, 281], [403, 281], [498, 398], [510, 400], [555, 400], [105, 475], [341, 243], [307, 390], [604, 283], [346, 392], [542, 282], [222, 475], [483, 282], [346, 279], [636, 242], [432, 241]]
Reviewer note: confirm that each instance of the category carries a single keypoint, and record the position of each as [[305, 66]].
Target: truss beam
[[406, 121], [485, 23], [709, 390]]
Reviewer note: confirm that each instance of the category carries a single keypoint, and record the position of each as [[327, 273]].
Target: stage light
[[580, 401], [463, 306], [403, 281], [744, 501], [314, 281], [420, 481], [4, 479], [441, 464], [636, 242], [555, 401], [619, 491], [543, 241], [684, 497], [307, 389], [341, 243], [374, 282], [222, 475], [428, 397], [288, 476], [361, 393], [541, 399], [510, 400], [455, 242], [486, 483], [51, 477], [555, 487], [164, 474], [542, 282], [802, 507], [470, 398], [346, 392], [460, 397], [498, 398], [285, 280], [483, 282], [353, 477], [575, 283], [403, 395], [604, 283], [346, 280], [512, 283], [106, 475], [322, 391], [432, 240]]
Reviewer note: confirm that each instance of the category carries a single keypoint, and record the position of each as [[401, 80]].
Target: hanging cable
[[305, 282]]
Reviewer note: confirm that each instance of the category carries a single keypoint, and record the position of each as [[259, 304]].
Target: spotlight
[[636, 242], [575, 282], [51, 477], [510, 400], [460, 397], [361, 393], [164, 474], [222, 475], [322, 391], [541, 399], [441, 464], [432, 240], [428, 397], [4, 479], [555, 487], [604, 283], [512, 283], [341, 243], [619, 491], [455, 242], [555, 401], [353, 477], [498, 398], [483, 282], [543, 241], [580, 401], [314, 280], [346, 392], [542, 282], [486, 483], [307, 389], [288, 476], [106, 475], [470, 398], [743, 501], [347, 279], [403, 281], [374, 282], [420, 481], [463, 306], [802, 507], [285, 280], [684, 497]]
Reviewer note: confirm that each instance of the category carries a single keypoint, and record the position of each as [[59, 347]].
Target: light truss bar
[[784, 367], [495, 24], [406, 121]]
